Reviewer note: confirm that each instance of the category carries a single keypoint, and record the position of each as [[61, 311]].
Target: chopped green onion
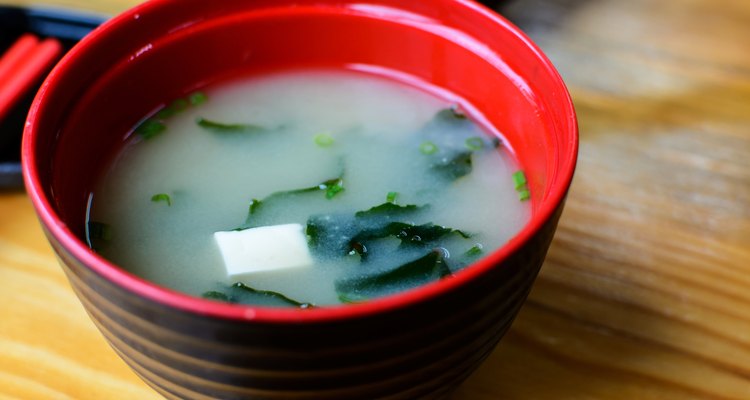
[[334, 189], [474, 143], [524, 195], [166, 112], [254, 204], [197, 98], [522, 187], [391, 197], [150, 128], [162, 197], [180, 105], [323, 140], [519, 179], [475, 250], [428, 148]]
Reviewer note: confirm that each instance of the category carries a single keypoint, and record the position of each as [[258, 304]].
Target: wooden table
[[646, 290]]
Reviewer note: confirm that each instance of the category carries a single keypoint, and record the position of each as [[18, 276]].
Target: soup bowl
[[417, 344]]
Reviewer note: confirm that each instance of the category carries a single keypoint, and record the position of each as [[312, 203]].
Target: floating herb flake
[[150, 128], [254, 204], [162, 197], [519, 179], [475, 250], [391, 197], [335, 189], [475, 143], [165, 113], [428, 148], [323, 140], [521, 185], [197, 98]]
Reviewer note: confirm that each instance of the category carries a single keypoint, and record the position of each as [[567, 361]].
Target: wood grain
[[646, 290]]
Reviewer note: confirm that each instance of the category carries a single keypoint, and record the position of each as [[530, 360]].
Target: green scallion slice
[[162, 197], [474, 143], [428, 148], [197, 98], [150, 128], [323, 140], [475, 250], [519, 179]]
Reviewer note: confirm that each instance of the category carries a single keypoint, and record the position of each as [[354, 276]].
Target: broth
[[372, 169]]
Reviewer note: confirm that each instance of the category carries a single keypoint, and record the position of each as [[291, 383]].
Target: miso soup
[[306, 188]]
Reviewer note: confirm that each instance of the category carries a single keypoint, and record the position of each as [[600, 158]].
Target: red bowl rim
[[180, 301]]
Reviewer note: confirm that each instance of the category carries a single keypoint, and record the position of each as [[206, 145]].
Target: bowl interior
[[165, 49]]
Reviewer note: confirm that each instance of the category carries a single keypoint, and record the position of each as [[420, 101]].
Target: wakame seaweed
[[454, 167], [449, 159], [339, 235], [330, 187], [431, 267], [333, 234], [389, 211], [452, 114], [241, 293], [408, 234]]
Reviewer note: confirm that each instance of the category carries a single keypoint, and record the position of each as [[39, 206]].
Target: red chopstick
[[23, 46], [22, 66]]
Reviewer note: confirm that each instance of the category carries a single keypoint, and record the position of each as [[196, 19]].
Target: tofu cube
[[263, 249]]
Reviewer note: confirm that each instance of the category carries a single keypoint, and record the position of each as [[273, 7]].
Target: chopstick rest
[[22, 66]]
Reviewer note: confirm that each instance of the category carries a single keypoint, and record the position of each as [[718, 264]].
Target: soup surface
[[388, 186]]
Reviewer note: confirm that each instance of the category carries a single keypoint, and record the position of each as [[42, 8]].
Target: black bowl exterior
[[420, 351], [421, 348]]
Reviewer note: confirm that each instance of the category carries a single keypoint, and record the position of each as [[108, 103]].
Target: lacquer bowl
[[418, 344]]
